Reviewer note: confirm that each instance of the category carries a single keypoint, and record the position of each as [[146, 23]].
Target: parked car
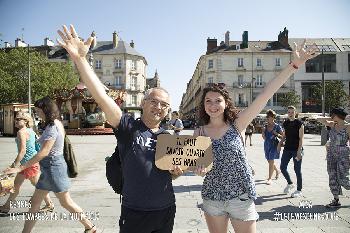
[[312, 126]]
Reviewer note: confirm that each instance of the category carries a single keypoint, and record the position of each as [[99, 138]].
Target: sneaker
[[334, 204], [297, 193], [288, 188]]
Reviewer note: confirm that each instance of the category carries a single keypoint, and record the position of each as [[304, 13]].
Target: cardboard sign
[[188, 152]]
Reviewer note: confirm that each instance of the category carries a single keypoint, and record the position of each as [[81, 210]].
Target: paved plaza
[[278, 212]]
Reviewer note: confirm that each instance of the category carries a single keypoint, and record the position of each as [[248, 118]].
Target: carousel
[[80, 112]]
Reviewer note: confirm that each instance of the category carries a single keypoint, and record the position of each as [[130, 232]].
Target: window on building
[[118, 64], [133, 65], [118, 80], [278, 61], [276, 99], [133, 82], [240, 62], [134, 99], [259, 81], [315, 65], [98, 64], [108, 72], [240, 98], [210, 80], [240, 80], [258, 62], [210, 64]]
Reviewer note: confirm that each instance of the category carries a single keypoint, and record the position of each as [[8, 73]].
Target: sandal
[[3, 210], [48, 208], [93, 229]]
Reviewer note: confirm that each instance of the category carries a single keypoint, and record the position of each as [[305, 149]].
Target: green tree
[[46, 76], [290, 98], [335, 94]]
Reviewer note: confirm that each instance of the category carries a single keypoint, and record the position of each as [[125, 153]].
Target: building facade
[[117, 64], [120, 67], [336, 63], [245, 67]]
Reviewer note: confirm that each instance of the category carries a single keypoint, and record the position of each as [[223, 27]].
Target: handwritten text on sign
[[188, 152]]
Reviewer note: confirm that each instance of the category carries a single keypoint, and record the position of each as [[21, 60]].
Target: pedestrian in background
[[293, 149], [338, 153], [248, 133], [25, 141], [176, 123], [54, 176], [272, 133]]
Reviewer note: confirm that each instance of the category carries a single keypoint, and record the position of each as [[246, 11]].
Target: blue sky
[[172, 34]]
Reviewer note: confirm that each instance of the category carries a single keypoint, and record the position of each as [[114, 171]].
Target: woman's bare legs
[[35, 201], [67, 202], [243, 226], [47, 199], [272, 168], [216, 224]]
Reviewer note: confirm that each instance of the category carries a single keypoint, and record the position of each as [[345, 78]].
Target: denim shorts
[[54, 175], [240, 208]]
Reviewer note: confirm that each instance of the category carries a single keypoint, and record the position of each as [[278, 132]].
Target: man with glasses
[[148, 203]]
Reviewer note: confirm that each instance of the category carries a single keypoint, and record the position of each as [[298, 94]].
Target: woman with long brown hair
[[228, 190], [54, 176]]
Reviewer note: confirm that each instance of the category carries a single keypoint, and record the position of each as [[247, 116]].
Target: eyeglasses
[[155, 103], [18, 119]]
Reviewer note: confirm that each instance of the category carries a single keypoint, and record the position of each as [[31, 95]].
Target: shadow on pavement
[[261, 199], [187, 188]]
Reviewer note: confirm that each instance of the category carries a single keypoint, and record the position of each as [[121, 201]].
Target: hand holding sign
[[185, 152]]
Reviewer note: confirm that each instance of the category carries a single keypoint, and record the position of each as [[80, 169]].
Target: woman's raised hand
[[75, 46], [302, 53]]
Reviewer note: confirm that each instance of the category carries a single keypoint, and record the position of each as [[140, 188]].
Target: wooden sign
[[188, 152]]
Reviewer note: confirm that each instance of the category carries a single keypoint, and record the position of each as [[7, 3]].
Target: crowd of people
[[148, 201]]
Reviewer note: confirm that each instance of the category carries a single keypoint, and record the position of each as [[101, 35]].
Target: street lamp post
[[251, 90], [323, 86], [324, 132], [29, 85]]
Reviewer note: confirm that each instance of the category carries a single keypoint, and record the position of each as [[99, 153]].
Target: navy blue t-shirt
[[145, 186]]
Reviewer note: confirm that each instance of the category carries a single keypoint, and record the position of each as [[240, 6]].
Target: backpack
[[69, 157], [114, 172]]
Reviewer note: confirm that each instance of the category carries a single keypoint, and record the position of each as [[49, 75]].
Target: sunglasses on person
[[19, 119]]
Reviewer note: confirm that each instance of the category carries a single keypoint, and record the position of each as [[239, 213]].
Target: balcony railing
[[241, 84], [259, 85], [134, 88]]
